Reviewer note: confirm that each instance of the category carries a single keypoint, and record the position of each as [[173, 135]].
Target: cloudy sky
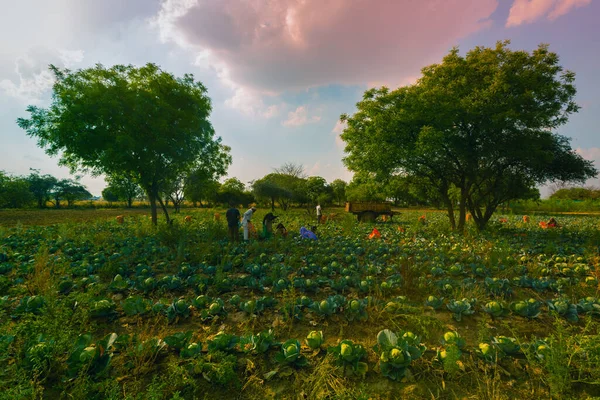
[[279, 72]]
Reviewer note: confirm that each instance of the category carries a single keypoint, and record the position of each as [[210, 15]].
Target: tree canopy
[[483, 125], [142, 122]]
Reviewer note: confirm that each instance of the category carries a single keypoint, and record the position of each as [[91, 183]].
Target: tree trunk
[[129, 202], [462, 210], [164, 208], [152, 199], [272, 204], [450, 209]]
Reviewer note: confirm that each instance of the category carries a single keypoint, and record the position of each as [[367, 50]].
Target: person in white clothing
[[319, 214], [246, 220]]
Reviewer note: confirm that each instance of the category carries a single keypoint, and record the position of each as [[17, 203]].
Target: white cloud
[[300, 117], [71, 57], [33, 77], [337, 130], [527, 11]]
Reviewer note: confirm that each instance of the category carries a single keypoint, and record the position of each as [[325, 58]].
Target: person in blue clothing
[[233, 219], [307, 234]]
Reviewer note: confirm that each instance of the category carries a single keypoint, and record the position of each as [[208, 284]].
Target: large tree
[[482, 125], [143, 122]]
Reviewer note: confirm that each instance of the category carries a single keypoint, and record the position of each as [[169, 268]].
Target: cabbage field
[[113, 309]]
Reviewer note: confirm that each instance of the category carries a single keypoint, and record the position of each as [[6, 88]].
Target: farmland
[[99, 309]]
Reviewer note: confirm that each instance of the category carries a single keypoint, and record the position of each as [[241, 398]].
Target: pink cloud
[[274, 45], [300, 117], [565, 6], [527, 11]]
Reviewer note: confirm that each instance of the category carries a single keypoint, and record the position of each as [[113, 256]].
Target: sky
[[280, 72]]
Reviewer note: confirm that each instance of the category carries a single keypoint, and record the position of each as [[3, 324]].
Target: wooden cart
[[368, 211]]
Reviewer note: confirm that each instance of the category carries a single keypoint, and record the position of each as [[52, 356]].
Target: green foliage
[[434, 129], [496, 309], [434, 302], [179, 340], [529, 309], [565, 309], [314, 339], [290, 354], [140, 122], [396, 354], [259, 343], [103, 309], [88, 358], [223, 342], [135, 305], [461, 307], [349, 354]]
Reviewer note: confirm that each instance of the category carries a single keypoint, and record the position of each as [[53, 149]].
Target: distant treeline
[[39, 190]]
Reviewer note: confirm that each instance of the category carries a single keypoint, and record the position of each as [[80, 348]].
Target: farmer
[[552, 223], [319, 213], [246, 220], [233, 219], [307, 234], [281, 230], [268, 225]]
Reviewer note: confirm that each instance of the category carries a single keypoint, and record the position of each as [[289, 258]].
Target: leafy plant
[[453, 338], [191, 350], [356, 310], [564, 309], [396, 354], [259, 343], [496, 309], [349, 354], [506, 345], [135, 305], [179, 340], [178, 309], [434, 302], [291, 354], [103, 309], [88, 358], [39, 355], [589, 306], [314, 339], [461, 307], [223, 342], [30, 304], [487, 352], [528, 309]]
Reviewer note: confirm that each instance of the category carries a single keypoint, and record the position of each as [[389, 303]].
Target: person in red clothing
[[552, 223]]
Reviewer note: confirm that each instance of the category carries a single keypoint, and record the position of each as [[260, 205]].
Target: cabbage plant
[[349, 355], [461, 307], [314, 339], [396, 353], [290, 354]]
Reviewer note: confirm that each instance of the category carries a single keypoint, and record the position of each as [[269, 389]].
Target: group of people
[[233, 224]]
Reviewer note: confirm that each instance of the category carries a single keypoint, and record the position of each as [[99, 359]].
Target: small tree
[[338, 187], [141, 122], [41, 187], [14, 192], [109, 196], [124, 187]]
